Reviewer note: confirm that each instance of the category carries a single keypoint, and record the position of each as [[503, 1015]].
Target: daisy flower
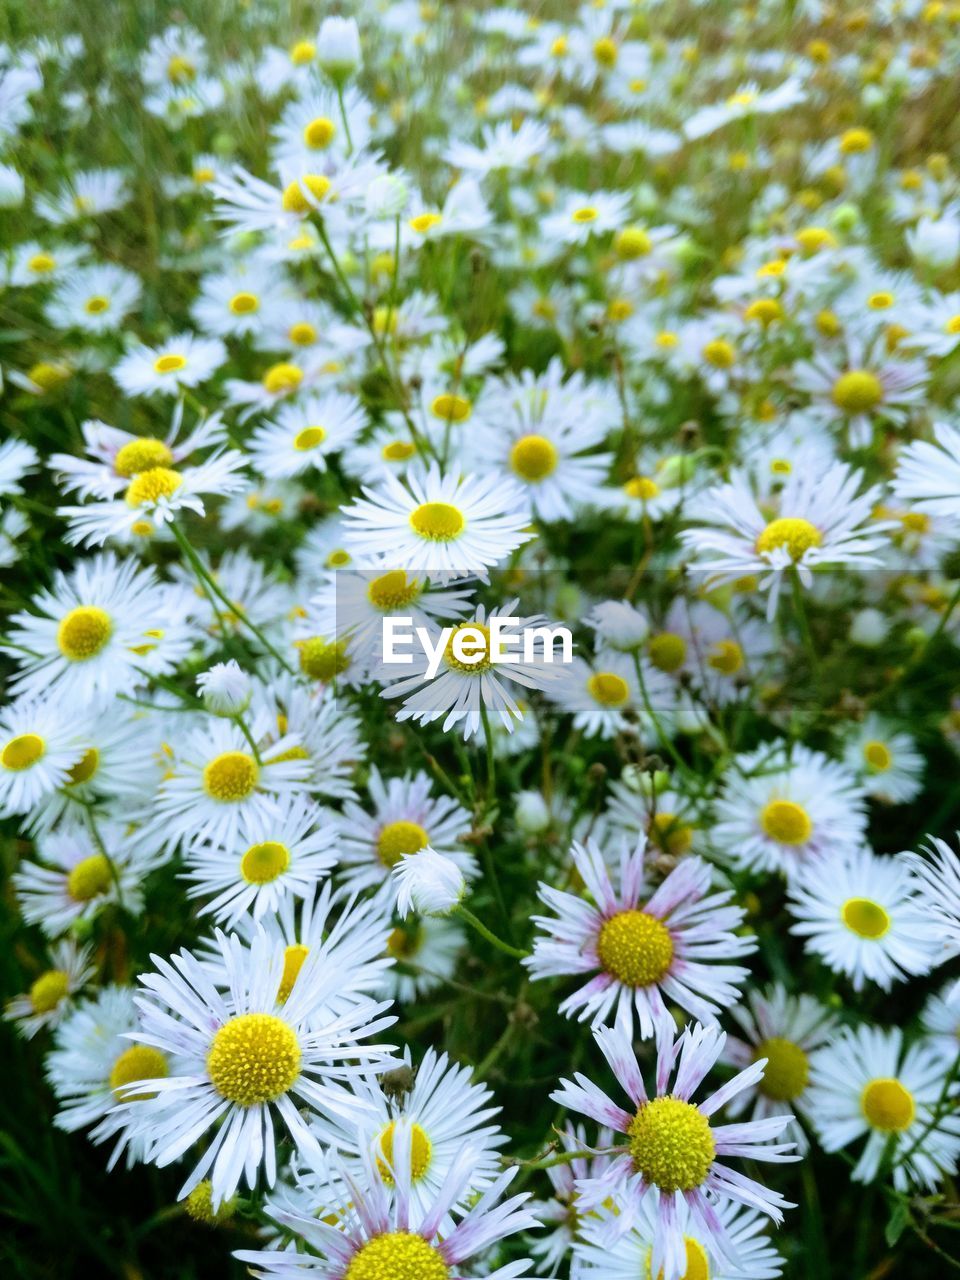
[[313, 124], [445, 1111], [431, 944], [79, 876], [560, 1216], [463, 692], [39, 745], [671, 1144], [937, 869], [384, 1231], [940, 1020], [182, 361], [406, 818], [583, 215], [501, 147], [94, 299], [928, 474], [17, 459], [862, 388], [305, 433], [785, 1029], [781, 809], [331, 743], [748, 101], [51, 995], [231, 303], [885, 761], [615, 694], [865, 1084], [282, 852], [104, 629], [428, 883], [245, 1056], [86, 194], [441, 525], [818, 520], [641, 950]]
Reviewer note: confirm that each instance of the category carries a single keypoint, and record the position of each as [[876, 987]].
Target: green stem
[[490, 936]]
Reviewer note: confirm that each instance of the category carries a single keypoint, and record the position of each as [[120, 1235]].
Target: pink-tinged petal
[[742, 1080], [589, 1100], [728, 1182], [701, 1047], [589, 862], [690, 878], [615, 1045]]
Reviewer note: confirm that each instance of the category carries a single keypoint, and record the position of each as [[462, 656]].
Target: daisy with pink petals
[[671, 1144], [642, 949], [381, 1231]]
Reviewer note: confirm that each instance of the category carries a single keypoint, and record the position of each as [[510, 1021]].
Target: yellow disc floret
[[48, 990], [887, 1105], [280, 379], [421, 1149], [23, 752], [254, 1058], [397, 1255], [667, 651], [399, 838], [534, 457], [792, 532], [263, 863], [636, 948], [319, 133], [787, 1071], [609, 689], [865, 918], [786, 822], [393, 590], [437, 521], [451, 408], [139, 1062], [671, 1144], [89, 879], [151, 485], [231, 777], [84, 632], [877, 756], [857, 391], [309, 438], [140, 455], [322, 659]]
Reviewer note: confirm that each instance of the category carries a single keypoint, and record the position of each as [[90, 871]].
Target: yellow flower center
[[421, 1149], [319, 133], [725, 656], [203, 174], [41, 263], [787, 1071], [295, 200], [254, 1058], [632, 243], [451, 408], [887, 1105], [282, 378], [393, 590], [322, 659], [398, 451], [857, 391], [46, 376], [609, 689], [302, 334], [587, 213], [877, 757], [437, 521], [293, 960], [671, 1144], [764, 310], [856, 141], [404, 942], [309, 438], [605, 51], [667, 651], [180, 69], [478, 649], [636, 948], [534, 457], [148, 487], [670, 834], [880, 301], [698, 1264], [171, 363], [96, 305], [139, 1062], [84, 632], [399, 838], [397, 1255], [198, 1205], [813, 239], [786, 822], [641, 487], [262, 863], [666, 340], [48, 990], [141, 455], [423, 222], [720, 353], [865, 918], [89, 879], [231, 777], [242, 304], [302, 52], [952, 325], [560, 47], [85, 767], [796, 534], [23, 752], [745, 98]]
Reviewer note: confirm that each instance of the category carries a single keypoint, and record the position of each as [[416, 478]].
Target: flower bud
[[428, 882], [225, 689]]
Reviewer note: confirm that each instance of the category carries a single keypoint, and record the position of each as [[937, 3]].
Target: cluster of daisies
[[634, 322]]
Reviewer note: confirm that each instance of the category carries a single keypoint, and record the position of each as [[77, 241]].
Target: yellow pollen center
[[263, 863], [857, 391], [477, 649], [41, 263], [141, 455], [952, 325], [243, 304], [393, 590], [398, 451], [636, 948], [437, 521], [725, 656], [293, 961], [670, 834], [534, 457], [397, 1255], [877, 757], [792, 532], [632, 243], [85, 767], [787, 1071], [148, 487], [609, 689], [180, 69], [83, 633], [451, 408], [720, 353], [319, 133], [423, 222], [302, 334], [399, 838], [642, 487], [671, 1144], [605, 52], [302, 52], [764, 310], [865, 918], [421, 1149], [294, 198], [587, 213], [89, 879], [231, 777], [668, 651], [96, 305], [282, 378], [48, 990], [856, 141], [322, 659], [254, 1058], [697, 1262], [172, 363], [23, 752], [880, 301], [887, 1105], [786, 822], [309, 438], [139, 1062]]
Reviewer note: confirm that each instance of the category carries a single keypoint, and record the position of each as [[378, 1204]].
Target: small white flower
[[429, 883], [225, 688]]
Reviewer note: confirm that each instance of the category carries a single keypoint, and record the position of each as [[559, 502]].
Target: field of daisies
[[479, 639]]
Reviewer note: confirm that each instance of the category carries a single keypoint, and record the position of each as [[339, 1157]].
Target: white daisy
[[937, 868], [885, 760], [305, 433], [94, 299], [52, 993], [928, 474], [182, 361], [615, 694], [39, 745]]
